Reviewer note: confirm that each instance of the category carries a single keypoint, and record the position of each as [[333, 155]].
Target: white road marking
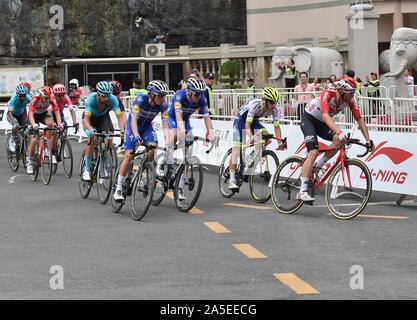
[[12, 179]]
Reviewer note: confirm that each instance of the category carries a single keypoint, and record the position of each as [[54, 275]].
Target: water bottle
[[322, 171], [160, 164]]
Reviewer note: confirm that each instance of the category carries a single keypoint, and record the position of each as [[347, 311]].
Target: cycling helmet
[[117, 86], [21, 89], [59, 89], [104, 87], [197, 85], [270, 94], [46, 91], [346, 83], [74, 81], [27, 84], [159, 87]]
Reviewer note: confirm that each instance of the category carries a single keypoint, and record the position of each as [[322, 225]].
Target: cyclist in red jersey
[[318, 121], [40, 111]]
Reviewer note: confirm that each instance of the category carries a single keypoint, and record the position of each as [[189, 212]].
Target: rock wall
[[100, 28]]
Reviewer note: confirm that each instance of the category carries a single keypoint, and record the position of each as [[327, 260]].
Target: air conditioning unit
[[155, 50]]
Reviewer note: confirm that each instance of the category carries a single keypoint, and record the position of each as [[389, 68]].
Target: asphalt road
[[227, 249]]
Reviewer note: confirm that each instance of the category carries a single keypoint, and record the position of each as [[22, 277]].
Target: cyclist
[[27, 85], [247, 123], [139, 127], [17, 115], [41, 109], [184, 104], [317, 121], [75, 91], [96, 119], [117, 90]]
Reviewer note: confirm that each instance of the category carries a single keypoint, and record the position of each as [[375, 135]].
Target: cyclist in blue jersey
[[139, 127], [17, 115], [95, 119], [184, 104], [247, 123]]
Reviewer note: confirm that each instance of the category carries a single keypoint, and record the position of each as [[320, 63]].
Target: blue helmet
[[21, 89], [104, 87], [159, 87]]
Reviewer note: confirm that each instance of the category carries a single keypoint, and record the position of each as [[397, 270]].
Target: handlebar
[[147, 146], [106, 135]]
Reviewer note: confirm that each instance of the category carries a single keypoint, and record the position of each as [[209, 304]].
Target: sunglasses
[[196, 94], [60, 95], [21, 95], [104, 95]]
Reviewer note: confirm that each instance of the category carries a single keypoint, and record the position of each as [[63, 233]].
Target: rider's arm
[[361, 122], [277, 116], [134, 126], [86, 121], [11, 107], [207, 120], [71, 108], [32, 110], [179, 118]]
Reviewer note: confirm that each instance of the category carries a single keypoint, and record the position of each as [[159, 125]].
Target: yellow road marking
[[217, 227], [194, 210], [246, 206], [250, 251], [295, 283], [381, 217]]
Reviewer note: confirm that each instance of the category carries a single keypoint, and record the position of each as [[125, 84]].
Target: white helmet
[[74, 81], [196, 84]]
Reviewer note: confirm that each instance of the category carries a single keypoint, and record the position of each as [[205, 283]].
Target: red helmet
[[46, 91], [26, 84], [346, 83], [117, 87], [59, 88]]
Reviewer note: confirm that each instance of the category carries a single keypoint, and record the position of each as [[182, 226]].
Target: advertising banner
[[11, 77]]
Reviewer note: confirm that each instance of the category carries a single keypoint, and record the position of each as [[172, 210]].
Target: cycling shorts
[[21, 119], [65, 124], [41, 117], [239, 130], [101, 124], [148, 136], [312, 128]]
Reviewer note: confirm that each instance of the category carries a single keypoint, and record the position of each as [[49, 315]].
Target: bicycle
[[261, 169], [100, 168], [43, 156], [20, 140], [349, 180], [193, 171], [140, 184], [64, 153]]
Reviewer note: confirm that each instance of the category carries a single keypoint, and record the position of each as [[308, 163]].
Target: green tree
[[230, 72]]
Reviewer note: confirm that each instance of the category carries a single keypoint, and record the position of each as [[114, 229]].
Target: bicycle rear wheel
[[143, 189], [67, 158], [286, 184], [261, 176], [224, 176], [116, 206], [84, 186], [12, 157], [54, 166], [348, 191], [192, 174], [114, 159], [46, 163], [104, 177]]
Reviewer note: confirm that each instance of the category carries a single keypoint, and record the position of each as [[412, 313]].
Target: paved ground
[[259, 253]]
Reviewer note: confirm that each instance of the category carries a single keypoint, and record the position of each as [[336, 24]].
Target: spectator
[[373, 90], [316, 84], [304, 93], [194, 74], [409, 81], [359, 82], [251, 86], [136, 88], [290, 73], [351, 73], [333, 78], [209, 78], [328, 84], [74, 91]]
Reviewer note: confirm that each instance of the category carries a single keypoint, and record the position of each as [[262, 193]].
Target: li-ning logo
[[397, 156]]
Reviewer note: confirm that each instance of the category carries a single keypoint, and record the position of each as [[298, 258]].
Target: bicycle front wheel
[[348, 190], [188, 185], [104, 177], [12, 156], [261, 176], [143, 189], [46, 163], [116, 206], [66, 158], [84, 186], [286, 184], [224, 176]]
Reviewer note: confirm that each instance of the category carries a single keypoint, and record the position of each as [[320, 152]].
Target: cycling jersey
[[16, 107], [38, 106], [180, 103], [91, 106], [66, 101], [327, 104], [253, 111], [144, 113]]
